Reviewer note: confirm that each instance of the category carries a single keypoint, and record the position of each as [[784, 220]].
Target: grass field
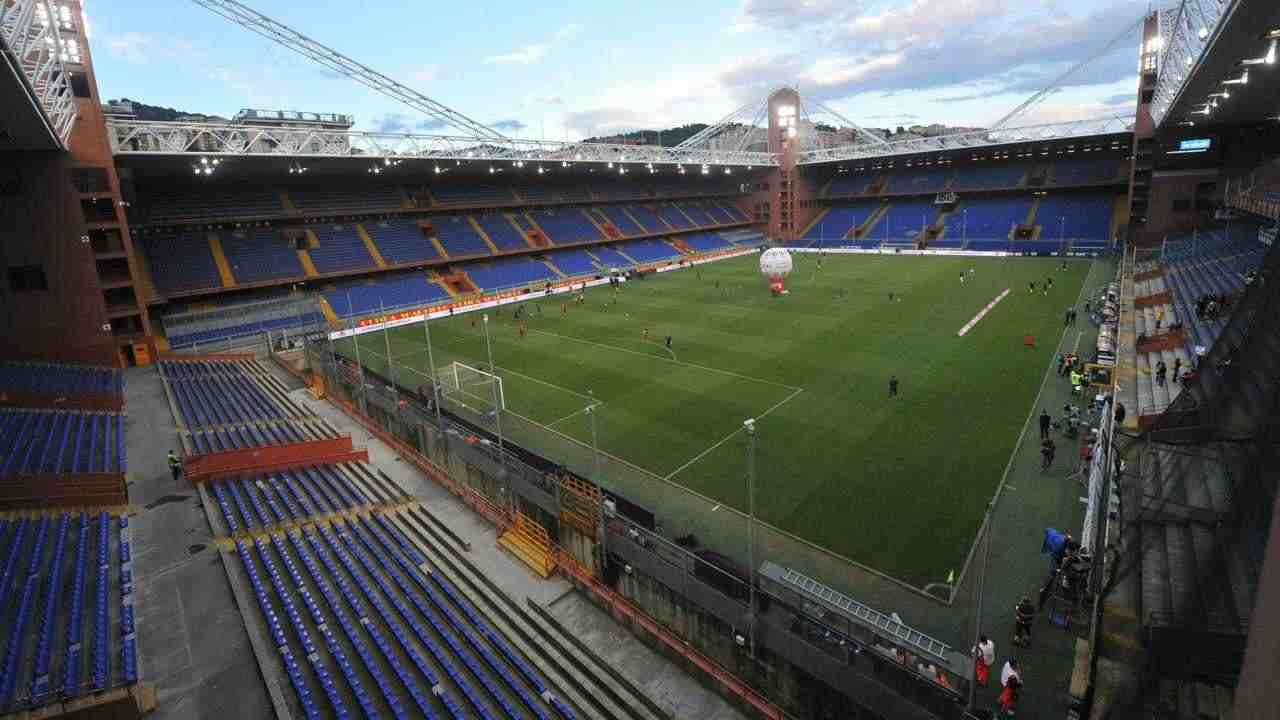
[[898, 484]]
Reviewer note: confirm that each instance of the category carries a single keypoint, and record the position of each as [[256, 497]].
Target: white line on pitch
[[982, 313], [572, 414], [729, 437], [507, 371], [678, 362]]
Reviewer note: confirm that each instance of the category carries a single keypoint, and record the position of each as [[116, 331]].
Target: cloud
[[893, 116], [510, 125], [527, 55], [605, 121], [548, 100], [391, 123], [976, 48], [534, 52], [394, 122], [790, 14]]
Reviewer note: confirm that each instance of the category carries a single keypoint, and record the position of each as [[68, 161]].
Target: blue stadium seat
[[401, 241], [340, 250], [260, 255]]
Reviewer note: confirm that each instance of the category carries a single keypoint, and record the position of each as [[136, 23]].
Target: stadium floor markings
[[730, 373], [731, 435], [499, 367], [983, 313], [575, 414]]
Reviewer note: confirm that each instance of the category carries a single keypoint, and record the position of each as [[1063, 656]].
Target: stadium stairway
[[556, 653], [371, 247], [327, 310], [535, 233], [439, 246], [630, 216], [679, 244], [531, 544], [868, 225], [435, 277], [304, 257], [816, 219], [220, 259], [483, 235], [511, 218], [552, 266]]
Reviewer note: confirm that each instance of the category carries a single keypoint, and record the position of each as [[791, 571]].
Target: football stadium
[[775, 413]]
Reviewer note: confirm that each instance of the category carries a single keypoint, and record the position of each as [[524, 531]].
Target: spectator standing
[[1177, 369], [1159, 317], [1161, 371], [1023, 613], [1047, 451], [1119, 413], [984, 656], [1010, 684], [1045, 422], [175, 465]]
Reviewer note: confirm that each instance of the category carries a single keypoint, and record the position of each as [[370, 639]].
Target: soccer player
[[1031, 287], [893, 386], [644, 335], [668, 342], [564, 309], [520, 327], [961, 278]]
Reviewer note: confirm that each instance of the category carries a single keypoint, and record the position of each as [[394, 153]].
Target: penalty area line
[[982, 313]]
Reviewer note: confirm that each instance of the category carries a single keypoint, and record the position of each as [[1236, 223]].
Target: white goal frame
[[454, 386]]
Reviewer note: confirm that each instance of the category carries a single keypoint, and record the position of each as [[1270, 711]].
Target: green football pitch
[[899, 484]]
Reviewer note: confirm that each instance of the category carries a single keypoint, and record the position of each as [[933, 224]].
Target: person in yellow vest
[[175, 465], [1076, 380]]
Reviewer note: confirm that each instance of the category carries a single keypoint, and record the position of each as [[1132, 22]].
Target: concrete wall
[[42, 225]]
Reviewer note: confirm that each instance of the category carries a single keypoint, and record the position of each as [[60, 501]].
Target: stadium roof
[[1220, 63]]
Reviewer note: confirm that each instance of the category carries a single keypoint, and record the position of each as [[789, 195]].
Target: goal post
[[461, 384]]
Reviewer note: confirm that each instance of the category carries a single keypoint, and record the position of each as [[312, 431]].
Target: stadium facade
[[128, 242]]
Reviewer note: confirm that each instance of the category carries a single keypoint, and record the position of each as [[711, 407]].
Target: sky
[[573, 69]]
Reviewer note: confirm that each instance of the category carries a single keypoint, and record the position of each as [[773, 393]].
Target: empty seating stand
[[180, 262], [51, 380], [387, 292], [228, 405], [60, 442], [401, 241], [67, 600], [340, 250], [356, 623]]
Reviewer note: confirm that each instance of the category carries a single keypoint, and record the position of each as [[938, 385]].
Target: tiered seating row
[[47, 379], [467, 666], [44, 646], [1066, 172], [205, 337], [44, 441]]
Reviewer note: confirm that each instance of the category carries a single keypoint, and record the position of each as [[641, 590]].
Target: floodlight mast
[[251, 19]]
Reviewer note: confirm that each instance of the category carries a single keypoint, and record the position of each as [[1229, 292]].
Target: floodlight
[[1203, 33]]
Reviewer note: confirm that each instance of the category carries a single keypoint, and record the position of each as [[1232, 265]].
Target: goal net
[[471, 388]]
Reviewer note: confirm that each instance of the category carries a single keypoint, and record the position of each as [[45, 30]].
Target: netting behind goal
[[471, 388]]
